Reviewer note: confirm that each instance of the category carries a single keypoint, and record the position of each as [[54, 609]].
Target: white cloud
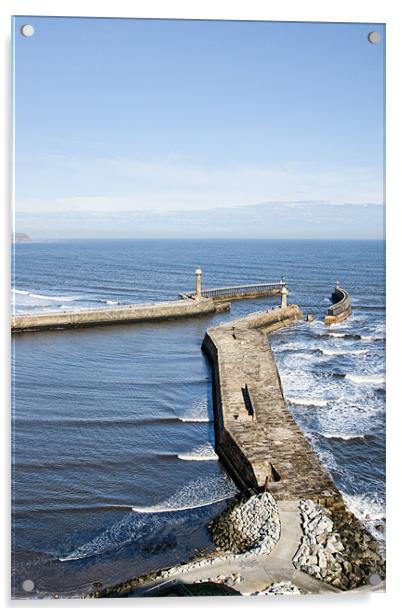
[[175, 183]]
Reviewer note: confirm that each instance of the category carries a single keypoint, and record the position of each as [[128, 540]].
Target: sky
[[156, 128]]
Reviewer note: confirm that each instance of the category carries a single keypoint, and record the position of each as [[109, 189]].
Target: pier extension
[[191, 304], [341, 307], [256, 437]]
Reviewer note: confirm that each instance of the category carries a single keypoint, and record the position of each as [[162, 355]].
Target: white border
[[385, 11]]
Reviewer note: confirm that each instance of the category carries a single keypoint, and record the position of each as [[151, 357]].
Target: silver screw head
[[28, 585], [27, 30], [374, 37]]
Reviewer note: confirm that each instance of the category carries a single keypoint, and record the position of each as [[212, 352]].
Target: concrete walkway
[[256, 572]]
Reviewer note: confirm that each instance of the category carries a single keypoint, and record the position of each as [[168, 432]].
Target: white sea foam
[[111, 302], [204, 452], [320, 402], [19, 292], [195, 419], [366, 378], [198, 493], [198, 412], [371, 511], [51, 298], [128, 529], [133, 527], [344, 352], [364, 507], [340, 435]]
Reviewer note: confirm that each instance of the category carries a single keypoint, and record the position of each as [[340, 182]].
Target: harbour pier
[[341, 307], [197, 303], [256, 437]]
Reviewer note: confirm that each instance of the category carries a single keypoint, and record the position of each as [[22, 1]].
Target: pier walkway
[[192, 304], [247, 291], [256, 437], [341, 308], [109, 316]]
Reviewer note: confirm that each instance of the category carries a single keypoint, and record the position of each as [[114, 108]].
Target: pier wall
[[117, 314], [341, 307], [252, 291], [256, 437]]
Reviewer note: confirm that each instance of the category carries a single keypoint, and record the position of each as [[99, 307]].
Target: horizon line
[[150, 238]]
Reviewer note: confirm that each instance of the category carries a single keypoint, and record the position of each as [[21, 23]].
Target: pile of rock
[[337, 548], [228, 580], [248, 526], [280, 588]]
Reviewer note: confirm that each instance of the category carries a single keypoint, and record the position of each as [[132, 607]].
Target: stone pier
[[118, 314], [341, 307], [256, 437]]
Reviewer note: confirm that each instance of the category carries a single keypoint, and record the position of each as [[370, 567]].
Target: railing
[[267, 287], [341, 297]]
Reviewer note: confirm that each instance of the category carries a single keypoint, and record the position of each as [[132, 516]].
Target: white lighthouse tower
[[198, 273], [284, 296]]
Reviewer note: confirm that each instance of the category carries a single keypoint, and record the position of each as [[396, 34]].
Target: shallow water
[[115, 418]]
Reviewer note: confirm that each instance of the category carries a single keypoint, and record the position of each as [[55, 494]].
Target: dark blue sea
[[114, 471]]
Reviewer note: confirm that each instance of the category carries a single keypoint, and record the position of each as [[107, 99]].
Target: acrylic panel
[[198, 368]]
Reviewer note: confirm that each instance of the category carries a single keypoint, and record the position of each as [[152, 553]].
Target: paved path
[[257, 572]]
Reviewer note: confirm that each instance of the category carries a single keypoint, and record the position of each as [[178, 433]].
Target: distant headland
[[21, 237]]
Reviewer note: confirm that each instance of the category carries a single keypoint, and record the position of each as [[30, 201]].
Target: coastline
[[333, 437], [256, 570], [308, 545]]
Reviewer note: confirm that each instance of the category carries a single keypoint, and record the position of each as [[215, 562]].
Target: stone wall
[[256, 437], [121, 314], [341, 307]]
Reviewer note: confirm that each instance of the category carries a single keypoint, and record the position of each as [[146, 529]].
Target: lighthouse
[[198, 273], [284, 296]]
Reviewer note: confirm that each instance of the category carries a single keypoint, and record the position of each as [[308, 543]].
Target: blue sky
[[121, 120]]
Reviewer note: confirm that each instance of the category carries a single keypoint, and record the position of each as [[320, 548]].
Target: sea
[[114, 472]]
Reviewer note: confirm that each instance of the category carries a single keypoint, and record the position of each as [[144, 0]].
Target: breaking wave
[[363, 378], [136, 527], [308, 401], [343, 335], [50, 298], [199, 493], [198, 412], [343, 437], [344, 352], [364, 506], [204, 452]]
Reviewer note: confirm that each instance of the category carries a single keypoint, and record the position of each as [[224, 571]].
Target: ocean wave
[[370, 510], [365, 378], [372, 338], [145, 525], [365, 506], [320, 402], [201, 492], [343, 437], [98, 422], [204, 452], [198, 412], [130, 528], [344, 335], [344, 352], [52, 298], [195, 419]]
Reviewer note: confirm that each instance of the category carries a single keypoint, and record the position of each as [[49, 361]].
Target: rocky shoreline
[[251, 526], [337, 548], [247, 528]]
